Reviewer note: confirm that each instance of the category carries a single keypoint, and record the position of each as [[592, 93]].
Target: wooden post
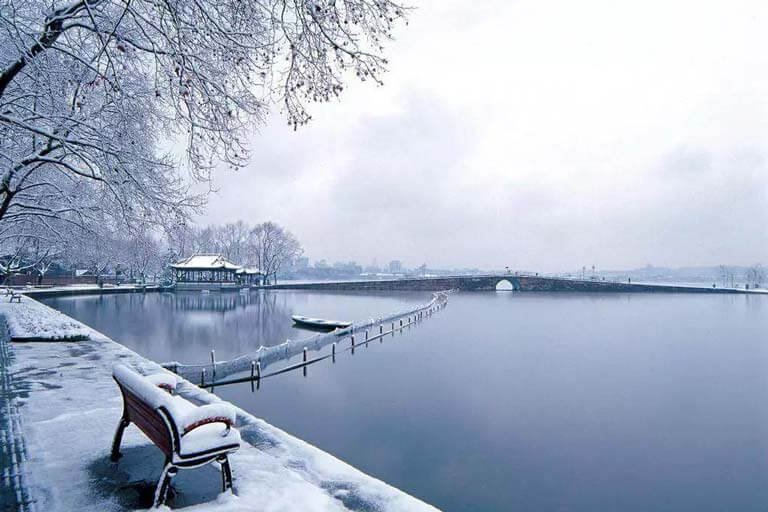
[[202, 378], [381, 329], [353, 340], [253, 374], [333, 352], [213, 363], [304, 368]]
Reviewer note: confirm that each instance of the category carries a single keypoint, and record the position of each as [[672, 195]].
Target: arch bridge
[[488, 282]]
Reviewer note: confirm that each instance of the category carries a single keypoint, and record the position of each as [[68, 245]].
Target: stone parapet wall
[[488, 283]]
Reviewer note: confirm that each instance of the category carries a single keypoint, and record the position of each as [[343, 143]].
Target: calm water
[[185, 327], [504, 401]]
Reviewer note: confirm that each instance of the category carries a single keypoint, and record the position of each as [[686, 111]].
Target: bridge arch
[[506, 285]]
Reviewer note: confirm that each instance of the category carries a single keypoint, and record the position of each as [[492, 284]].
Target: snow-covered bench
[[189, 435], [14, 296]]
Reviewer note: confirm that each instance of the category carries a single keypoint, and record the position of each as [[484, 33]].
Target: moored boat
[[319, 323]]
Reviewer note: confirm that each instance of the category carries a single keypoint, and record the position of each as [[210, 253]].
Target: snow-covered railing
[[256, 362]]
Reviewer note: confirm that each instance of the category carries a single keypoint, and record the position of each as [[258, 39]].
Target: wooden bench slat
[[149, 421]]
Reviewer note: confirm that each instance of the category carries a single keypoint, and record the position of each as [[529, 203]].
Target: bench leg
[[118, 439], [226, 473], [164, 484]]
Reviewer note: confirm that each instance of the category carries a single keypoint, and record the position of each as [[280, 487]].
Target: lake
[[503, 401]]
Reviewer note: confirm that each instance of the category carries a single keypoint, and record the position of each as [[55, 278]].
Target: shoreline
[[68, 407]]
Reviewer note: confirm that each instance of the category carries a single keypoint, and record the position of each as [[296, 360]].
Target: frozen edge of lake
[[67, 407]]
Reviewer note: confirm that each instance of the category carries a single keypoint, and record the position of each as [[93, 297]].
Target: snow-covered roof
[[250, 270], [205, 262]]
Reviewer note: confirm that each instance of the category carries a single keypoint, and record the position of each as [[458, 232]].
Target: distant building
[[212, 272], [250, 276], [349, 268], [395, 267]]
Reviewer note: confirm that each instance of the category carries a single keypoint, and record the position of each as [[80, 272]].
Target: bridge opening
[[505, 286]]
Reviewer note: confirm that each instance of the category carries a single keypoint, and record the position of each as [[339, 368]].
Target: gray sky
[[541, 135]]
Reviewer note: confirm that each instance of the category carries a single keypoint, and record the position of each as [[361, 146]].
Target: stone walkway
[[13, 494]]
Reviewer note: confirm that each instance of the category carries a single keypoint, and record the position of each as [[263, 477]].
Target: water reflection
[[186, 326], [311, 351]]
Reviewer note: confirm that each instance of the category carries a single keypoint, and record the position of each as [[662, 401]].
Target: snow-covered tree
[[142, 255], [44, 254], [727, 275], [272, 248], [91, 91], [755, 275], [14, 258], [233, 240], [24, 247], [98, 250]]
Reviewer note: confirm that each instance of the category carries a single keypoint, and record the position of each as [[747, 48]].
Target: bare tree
[[15, 257], [755, 275], [90, 90], [232, 240], [272, 247], [727, 275], [98, 249], [142, 255], [44, 255]]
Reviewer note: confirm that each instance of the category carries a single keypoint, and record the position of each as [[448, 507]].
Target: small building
[[249, 276], [212, 272]]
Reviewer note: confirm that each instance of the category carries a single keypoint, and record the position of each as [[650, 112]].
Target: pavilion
[[212, 272], [250, 276]]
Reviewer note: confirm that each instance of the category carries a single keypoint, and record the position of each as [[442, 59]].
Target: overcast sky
[[543, 135]]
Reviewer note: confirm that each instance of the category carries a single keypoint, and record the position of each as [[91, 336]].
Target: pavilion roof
[[250, 270], [205, 262]]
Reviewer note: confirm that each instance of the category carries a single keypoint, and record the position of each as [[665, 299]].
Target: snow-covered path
[[69, 406]]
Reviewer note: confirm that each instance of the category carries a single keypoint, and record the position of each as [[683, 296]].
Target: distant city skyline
[[351, 267]]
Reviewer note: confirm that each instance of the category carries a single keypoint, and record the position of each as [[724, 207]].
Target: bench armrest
[[163, 380], [205, 414]]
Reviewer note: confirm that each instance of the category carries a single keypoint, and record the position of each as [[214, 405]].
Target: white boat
[[320, 323]]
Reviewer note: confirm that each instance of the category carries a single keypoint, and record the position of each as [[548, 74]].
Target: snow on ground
[[31, 320], [69, 407]]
